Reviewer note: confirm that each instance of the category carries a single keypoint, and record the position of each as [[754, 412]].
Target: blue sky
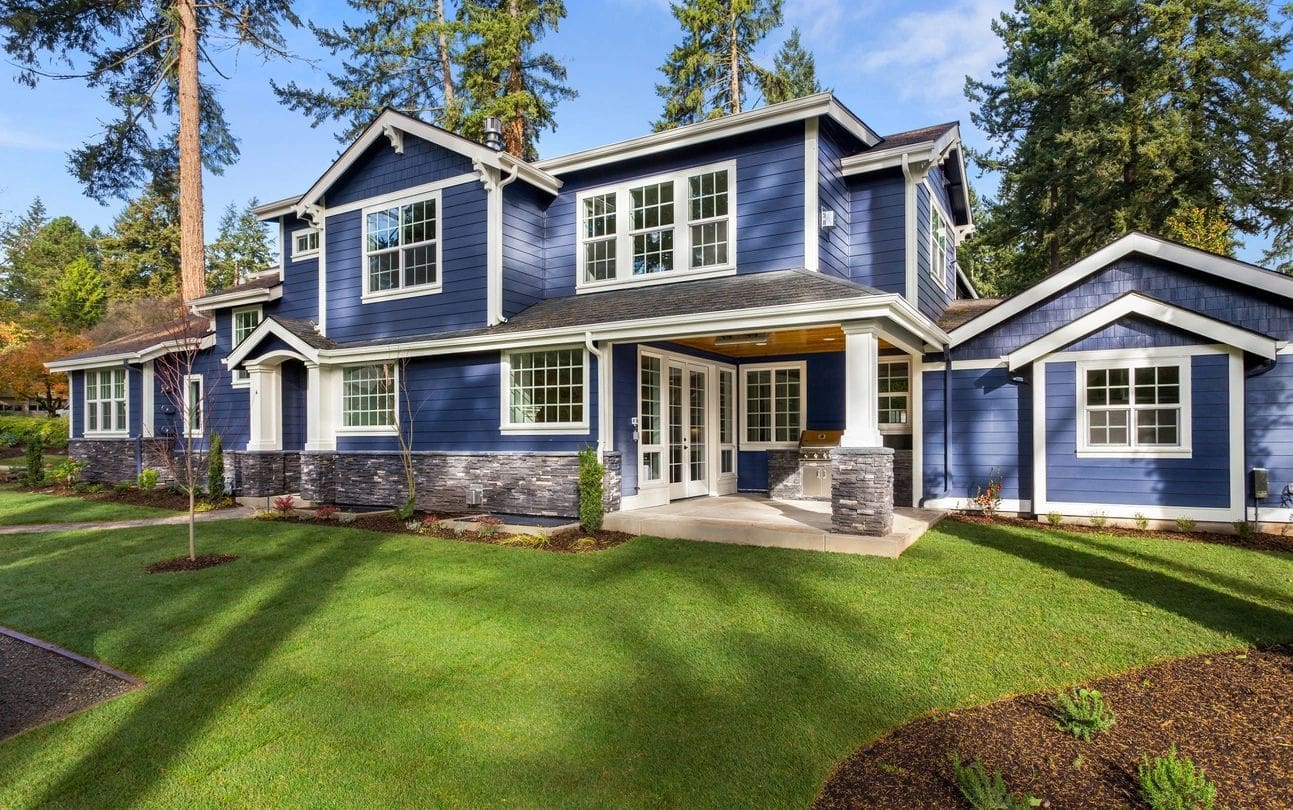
[[897, 65]]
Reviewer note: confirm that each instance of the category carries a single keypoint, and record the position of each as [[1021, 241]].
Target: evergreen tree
[[141, 257], [1108, 115], [40, 263], [503, 76], [15, 238], [241, 247], [793, 74], [706, 75], [79, 298], [400, 56]]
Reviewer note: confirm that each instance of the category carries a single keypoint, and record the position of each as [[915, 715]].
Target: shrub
[[15, 430], [284, 504], [35, 462], [326, 512], [984, 792], [487, 526], [1243, 528], [1185, 524], [430, 523], [1098, 520], [147, 480], [405, 512], [67, 472], [591, 476], [1142, 522], [122, 487], [9, 439], [1172, 783], [203, 506], [988, 498], [215, 467], [1054, 518], [1082, 713]]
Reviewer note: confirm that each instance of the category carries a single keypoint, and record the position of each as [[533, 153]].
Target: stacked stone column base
[[862, 490]]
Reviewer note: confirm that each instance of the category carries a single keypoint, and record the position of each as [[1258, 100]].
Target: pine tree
[[79, 299], [400, 56], [241, 247], [40, 263], [141, 257], [14, 241], [1109, 115], [706, 75], [502, 75], [793, 74]]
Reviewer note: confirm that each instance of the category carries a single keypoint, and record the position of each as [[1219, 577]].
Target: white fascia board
[[277, 208], [725, 127], [237, 298], [1134, 242], [1137, 304], [887, 158], [266, 328], [130, 358]]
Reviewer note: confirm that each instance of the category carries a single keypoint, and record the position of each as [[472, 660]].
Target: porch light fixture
[[746, 339]]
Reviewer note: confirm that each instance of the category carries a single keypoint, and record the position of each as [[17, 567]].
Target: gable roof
[[300, 334], [1134, 242], [141, 346], [920, 149], [257, 290]]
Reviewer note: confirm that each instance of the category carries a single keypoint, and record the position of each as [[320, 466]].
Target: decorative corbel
[[313, 214], [488, 175], [395, 136]]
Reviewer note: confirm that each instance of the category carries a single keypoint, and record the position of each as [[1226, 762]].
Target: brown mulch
[[564, 541], [1231, 713], [39, 686], [185, 564], [1254, 541]]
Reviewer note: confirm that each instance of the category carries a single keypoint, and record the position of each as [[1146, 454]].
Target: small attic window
[[305, 243]]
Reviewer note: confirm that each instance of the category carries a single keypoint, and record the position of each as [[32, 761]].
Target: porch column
[[861, 467], [320, 408], [266, 433]]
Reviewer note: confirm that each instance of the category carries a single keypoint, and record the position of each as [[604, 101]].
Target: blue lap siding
[[877, 245], [989, 427], [382, 171], [1269, 432], [524, 229], [300, 280], [834, 243]]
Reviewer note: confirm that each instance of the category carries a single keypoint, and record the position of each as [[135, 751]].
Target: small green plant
[[266, 514], [591, 477], [215, 468], [203, 506], [988, 497], [35, 461], [429, 524], [122, 487], [147, 480], [1243, 528], [1185, 524], [537, 540], [1082, 713], [406, 511], [584, 544], [1054, 518], [67, 472], [1142, 522], [1174, 783], [984, 792], [487, 526], [1099, 521]]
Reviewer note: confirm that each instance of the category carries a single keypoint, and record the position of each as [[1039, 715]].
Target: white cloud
[[824, 24]]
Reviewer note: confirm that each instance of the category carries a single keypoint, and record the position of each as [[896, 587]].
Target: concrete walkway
[[236, 513]]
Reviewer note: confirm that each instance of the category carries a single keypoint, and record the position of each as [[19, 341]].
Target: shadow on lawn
[[122, 767]]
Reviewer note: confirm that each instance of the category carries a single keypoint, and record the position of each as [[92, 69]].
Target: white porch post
[[315, 436], [266, 423], [861, 374]]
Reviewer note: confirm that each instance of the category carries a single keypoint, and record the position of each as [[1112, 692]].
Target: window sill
[[544, 430], [300, 257], [366, 431], [107, 434], [1135, 452], [403, 292], [896, 430], [651, 279]]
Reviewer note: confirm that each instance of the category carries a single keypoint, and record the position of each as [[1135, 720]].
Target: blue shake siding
[[460, 304], [990, 425], [833, 194], [524, 232], [1268, 439], [1199, 481], [1134, 333], [382, 171], [877, 246]]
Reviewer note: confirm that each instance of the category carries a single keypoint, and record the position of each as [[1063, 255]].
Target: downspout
[[602, 386], [497, 315], [947, 418]]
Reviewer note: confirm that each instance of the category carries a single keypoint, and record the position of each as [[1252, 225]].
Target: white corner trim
[[1039, 438], [147, 408], [1134, 242], [910, 224], [323, 277], [916, 410], [1137, 304], [1238, 423], [812, 195]]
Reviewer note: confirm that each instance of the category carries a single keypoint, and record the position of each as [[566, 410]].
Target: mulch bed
[[1254, 541], [1231, 713], [39, 686], [185, 564], [564, 541]]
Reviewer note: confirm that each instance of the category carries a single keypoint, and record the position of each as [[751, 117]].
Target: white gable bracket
[[395, 136]]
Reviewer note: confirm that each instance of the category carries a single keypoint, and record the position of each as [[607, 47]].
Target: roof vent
[[494, 134]]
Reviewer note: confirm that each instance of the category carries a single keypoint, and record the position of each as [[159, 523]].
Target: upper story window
[[194, 412], [675, 224], [774, 405], [402, 248], [368, 397], [545, 391], [245, 322], [893, 389], [105, 401], [305, 243], [937, 244], [1137, 409]]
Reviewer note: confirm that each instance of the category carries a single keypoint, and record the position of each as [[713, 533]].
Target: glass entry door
[[688, 429]]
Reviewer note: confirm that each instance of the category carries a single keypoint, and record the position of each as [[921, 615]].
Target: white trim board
[[968, 505], [1134, 242], [238, 298], [269, 326], [812, 195]]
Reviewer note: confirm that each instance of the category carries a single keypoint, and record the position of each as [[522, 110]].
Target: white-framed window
[[402, 248], [773, 409], [305, 243], [545, 391], [107, 401], [650, 427], [938, 243], [194, 411], [655, 228], [726, 422], [245, 322], [1138, 408], [893, 392], [368, 398]]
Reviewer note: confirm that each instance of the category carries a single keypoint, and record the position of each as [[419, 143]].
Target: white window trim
[[507, 427], [905, 428], [245, 380], [298, 255], [1184, 430], [401, 292], [187, 406], [935, 204], [367, 430], [681, 226], [662, 446], [85, 404], [743, 400]]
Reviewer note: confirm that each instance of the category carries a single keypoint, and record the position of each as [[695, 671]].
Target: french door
[[687, 426]]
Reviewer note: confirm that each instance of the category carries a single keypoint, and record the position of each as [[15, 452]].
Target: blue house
[[766, 303]]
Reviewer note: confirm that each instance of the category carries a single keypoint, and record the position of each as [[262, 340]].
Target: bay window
[[106, 401], [545, 390], [402, 248]]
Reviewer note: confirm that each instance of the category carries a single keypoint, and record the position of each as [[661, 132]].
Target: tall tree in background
[[502, 75], [38, 262], [1108, 115], [15, 237], [79, 298], [793, 74], [706, 74], [141, 257], [400, 56], [146, 56], [240, 248]]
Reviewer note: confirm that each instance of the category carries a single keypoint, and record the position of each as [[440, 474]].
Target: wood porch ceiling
[[815, 340]]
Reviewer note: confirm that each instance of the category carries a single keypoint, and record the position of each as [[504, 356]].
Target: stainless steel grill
[[815, 461]]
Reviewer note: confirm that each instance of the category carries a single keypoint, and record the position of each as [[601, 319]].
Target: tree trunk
[[734, 60], [192, 248], [514, 128], [446, 64]]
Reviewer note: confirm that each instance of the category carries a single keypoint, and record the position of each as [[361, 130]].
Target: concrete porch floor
[[753, 520]]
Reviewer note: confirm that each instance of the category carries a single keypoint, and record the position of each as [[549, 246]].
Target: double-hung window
[[105, 401], [937, 244], [1138, 409], [245, 322], [305, 243], [658, 227], [546, 391], [402, 248], [774, 404], [194, 411], [368, 397], [893, 390]]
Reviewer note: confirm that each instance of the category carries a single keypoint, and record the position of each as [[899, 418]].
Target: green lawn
[[21, 508], [335, 667]]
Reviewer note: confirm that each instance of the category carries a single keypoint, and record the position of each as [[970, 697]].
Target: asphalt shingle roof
[[963, 310], [914, 136], [305, 330], [191, 326]]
